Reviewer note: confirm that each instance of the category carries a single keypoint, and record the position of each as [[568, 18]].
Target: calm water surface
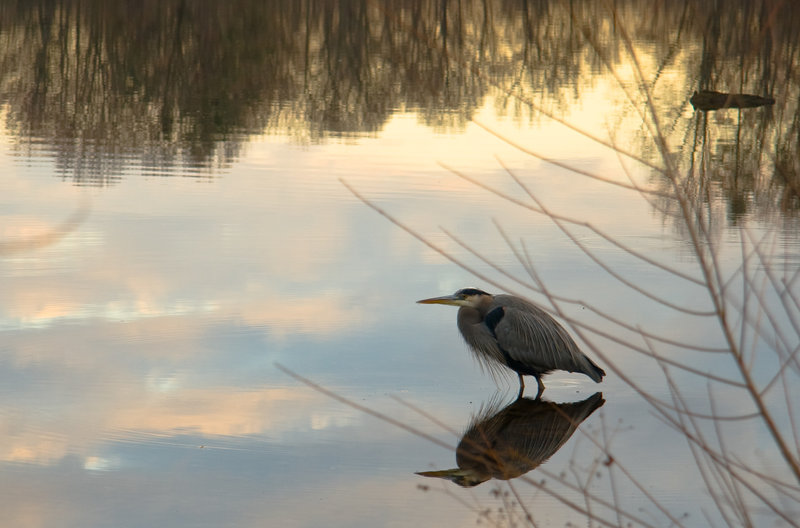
[[175, 223]]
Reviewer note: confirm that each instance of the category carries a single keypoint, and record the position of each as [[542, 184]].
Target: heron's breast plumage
[[480, 339]]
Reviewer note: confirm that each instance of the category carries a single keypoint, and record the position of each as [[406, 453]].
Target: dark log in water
[[710, 100]]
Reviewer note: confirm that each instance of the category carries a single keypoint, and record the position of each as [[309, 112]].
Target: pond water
[[190, 227]]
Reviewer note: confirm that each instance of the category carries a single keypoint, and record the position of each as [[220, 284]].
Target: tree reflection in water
[[104, 86]]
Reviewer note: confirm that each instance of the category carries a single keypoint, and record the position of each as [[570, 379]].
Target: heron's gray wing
[[530, 336]]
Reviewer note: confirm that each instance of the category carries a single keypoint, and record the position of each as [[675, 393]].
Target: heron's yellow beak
[[463, 477], [447, 299], [443, 473]]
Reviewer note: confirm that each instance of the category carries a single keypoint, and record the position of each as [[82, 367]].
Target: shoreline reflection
[[508, 443]]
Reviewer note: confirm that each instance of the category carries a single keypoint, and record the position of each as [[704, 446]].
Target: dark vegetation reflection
[[507, 443], [107, 86]]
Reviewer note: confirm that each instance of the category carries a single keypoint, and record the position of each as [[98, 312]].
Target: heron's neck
[[467, 315], [484, 305]]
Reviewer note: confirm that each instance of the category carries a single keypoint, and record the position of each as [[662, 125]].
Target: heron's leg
[[541, 387], [521, 386]]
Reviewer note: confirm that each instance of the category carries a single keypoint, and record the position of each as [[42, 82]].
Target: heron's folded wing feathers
[[529, 335]]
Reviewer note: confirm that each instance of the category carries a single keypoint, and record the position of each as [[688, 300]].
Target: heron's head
[[472, 297], [465, 478]]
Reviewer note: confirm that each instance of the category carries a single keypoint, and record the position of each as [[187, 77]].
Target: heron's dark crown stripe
[[472, 291]]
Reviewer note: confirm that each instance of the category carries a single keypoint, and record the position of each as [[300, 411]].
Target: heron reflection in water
[[513, 332], [509, 443]]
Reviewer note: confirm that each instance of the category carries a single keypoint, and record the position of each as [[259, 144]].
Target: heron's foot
[[541, 388]]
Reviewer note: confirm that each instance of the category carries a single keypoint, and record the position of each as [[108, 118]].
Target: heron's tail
[[594, 372]]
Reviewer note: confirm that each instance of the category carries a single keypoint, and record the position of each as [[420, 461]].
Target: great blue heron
[[508, 443], [510, 331]]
